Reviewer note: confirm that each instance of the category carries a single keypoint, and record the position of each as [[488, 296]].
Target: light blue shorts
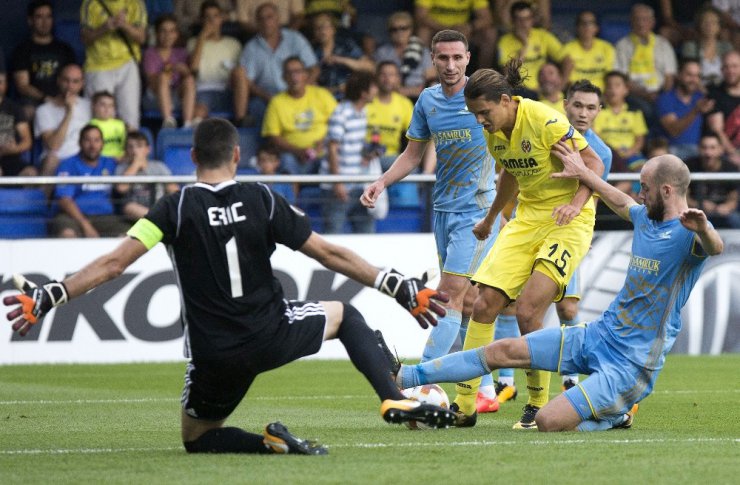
[[613, 384], [573, 289], [459, 251]]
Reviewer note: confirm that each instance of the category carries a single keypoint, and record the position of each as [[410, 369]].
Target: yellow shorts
[[523, 245]]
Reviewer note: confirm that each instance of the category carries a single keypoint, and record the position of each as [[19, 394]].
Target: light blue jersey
[[644, 319], [601, 149], [465, 169]]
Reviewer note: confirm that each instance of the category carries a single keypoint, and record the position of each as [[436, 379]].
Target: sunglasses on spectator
[[399, 28]]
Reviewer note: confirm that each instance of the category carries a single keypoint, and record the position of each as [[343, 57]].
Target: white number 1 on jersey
[[235, 274]]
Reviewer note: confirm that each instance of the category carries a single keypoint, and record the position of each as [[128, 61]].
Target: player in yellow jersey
[[536, 253]]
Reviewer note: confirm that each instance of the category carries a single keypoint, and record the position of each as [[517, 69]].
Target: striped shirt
[[347, 127]]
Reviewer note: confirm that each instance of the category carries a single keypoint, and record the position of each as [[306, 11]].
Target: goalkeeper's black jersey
[[220, 240]]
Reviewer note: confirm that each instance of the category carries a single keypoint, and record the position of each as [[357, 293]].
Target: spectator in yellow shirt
[[113, 32], [623, 129], [534, 46], [296, 120], [592, 57], [472, 18]]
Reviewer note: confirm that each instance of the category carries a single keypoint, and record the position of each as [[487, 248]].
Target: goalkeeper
[[220, 235]]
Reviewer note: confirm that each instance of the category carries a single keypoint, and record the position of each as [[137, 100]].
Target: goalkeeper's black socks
[[360, 342], [227, 440]]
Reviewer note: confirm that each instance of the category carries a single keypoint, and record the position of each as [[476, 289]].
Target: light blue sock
[[486, 380], [455, 367], [601, 424], [570, 323], [506, 327], [442, 336]]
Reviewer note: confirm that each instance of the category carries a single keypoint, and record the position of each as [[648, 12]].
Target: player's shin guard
[[479, 335], [366, 356], [506, 327], [227, 440], [538, 385], [571, 379], [443, 336]]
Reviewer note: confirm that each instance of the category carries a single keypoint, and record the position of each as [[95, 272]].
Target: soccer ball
[[428, 394]]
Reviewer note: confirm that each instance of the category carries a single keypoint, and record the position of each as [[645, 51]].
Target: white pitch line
[[173, 399], [85, 451], [276, 398]]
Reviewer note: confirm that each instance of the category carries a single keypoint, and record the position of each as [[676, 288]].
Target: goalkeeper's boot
[[628, 418], [505, 392], [527, 420], [393, 359], [463, 420], [485, 404], [407, 410], [279, 440]]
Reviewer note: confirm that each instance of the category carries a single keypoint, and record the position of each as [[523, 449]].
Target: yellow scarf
[[642, 65]]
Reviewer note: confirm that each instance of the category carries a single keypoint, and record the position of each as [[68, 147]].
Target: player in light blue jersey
[[582, 106], [462, 193], [624, 349]]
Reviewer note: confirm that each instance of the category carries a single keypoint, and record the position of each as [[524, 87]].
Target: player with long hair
[[537, 252]]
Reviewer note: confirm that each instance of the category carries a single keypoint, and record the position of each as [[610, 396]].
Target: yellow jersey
[[619, 129], [302, 122], [541, 45], [526, 156], [451, 13], [591, 64], [110, 51], [390, 120], [557, 105]]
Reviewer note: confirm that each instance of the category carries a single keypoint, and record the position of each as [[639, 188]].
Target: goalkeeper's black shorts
[[214, 387]]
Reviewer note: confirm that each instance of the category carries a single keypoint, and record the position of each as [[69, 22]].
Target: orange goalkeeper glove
[[412, 294], [35, 302]]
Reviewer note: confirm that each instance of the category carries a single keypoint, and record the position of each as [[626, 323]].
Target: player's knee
[[351, 317], [528, 316], [546, 422], [567, 309]]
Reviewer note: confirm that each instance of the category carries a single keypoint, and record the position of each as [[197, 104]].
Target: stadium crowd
[[294, 73]]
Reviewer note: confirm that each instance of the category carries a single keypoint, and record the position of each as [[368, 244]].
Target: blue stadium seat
[[23, 213], [404, 195], [402, 219], [177, 158], [172, 137]]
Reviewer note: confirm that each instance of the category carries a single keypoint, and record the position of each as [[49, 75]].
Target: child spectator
[[135, 200], [113, 129], [268, 163], [623, 129], [15, 135], [166, 69], [346, 136]]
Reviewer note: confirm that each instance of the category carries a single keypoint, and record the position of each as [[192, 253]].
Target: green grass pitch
[[120, 424]]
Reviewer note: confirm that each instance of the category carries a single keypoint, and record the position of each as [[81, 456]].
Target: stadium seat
[[23, 213], [404, 195], [177, 158]]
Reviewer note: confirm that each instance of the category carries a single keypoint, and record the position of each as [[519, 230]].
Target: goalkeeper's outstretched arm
[[36, 301]]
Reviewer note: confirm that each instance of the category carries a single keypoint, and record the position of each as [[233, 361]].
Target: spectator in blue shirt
[[86, 210], [681, 110], [263, 58]]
